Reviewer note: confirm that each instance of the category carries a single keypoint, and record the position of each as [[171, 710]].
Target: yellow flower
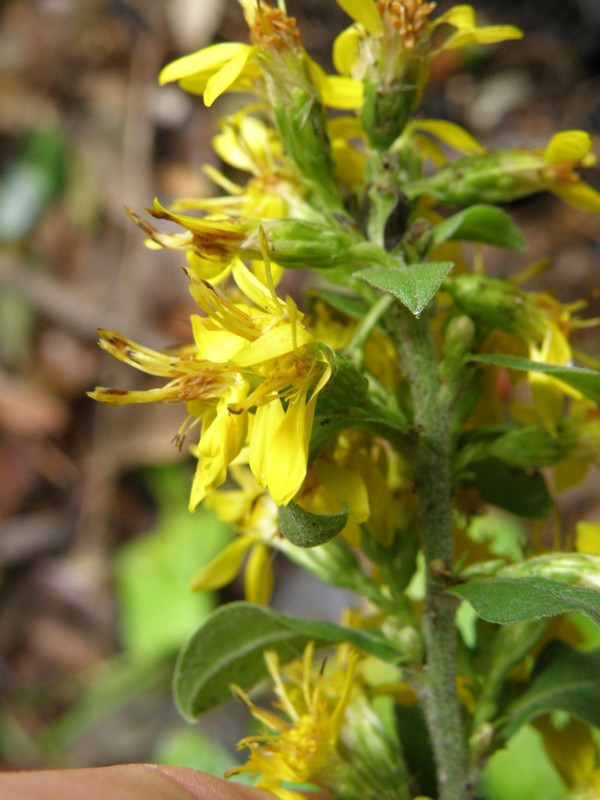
[[228, 66], [406, 26], [301, 748], [564, 153], [252, 375], [505, 175], [574, 753], [252, 512], [355, 469], [233, 66]]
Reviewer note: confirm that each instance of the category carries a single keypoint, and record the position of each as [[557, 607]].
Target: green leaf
[[586, 381], [564, 679], [521, 771], [516, 490], [414, 285], [229, 648], [348, 304], [480, 223], [305, 529], [504, 600]]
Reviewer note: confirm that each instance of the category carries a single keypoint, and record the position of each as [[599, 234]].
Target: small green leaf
[[305, 529], [586, 381], [229, 648], [348, 304], [516, 490], [564, 679], [480, 223], [504, 600], [414, 285]]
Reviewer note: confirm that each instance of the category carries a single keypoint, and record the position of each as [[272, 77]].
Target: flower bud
[[491, 302], [578, 569]]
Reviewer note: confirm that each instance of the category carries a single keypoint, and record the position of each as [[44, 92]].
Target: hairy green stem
[[415, 346]]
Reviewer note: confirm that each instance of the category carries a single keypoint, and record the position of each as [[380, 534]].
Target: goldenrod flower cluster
[[407, 393]]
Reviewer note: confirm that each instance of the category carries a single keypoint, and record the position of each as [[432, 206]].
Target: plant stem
[[415, 346]]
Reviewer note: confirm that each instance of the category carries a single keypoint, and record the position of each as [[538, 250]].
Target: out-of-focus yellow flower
[[252, 512], [466, 32], [574, 753], [253, 374], [301, 748], [536, 322], [548, 393], [411, 20], [389, 48], [217, 239], [356, 469], [233, 66], [563, 155]]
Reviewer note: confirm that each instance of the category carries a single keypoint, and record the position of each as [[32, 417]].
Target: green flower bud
[[295, 243], [491, 302], [458, 338], [578, 569], [376, 769]]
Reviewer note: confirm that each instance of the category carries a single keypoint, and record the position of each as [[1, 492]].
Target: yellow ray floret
[[252, 376]]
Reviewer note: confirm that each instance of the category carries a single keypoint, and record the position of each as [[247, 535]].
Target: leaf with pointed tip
[[305, 529], [505, 600], [413, 285], [229, 648], [481, 223], [586, 381]]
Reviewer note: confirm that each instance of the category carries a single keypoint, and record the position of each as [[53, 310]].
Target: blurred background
[[96, 544]]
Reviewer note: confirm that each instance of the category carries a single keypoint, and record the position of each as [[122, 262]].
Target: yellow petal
[[341, 92], [346, 49], [220, 442], [222, 569], [548, 400], [206, 269], [336, 91], [490, 34], [463, 18], [451, 134], [587, 537], [277, 342], [349, 163], [459, 16], [266, 420], [253, 288], [346, 486], [365, 12], [204, 62], [215, 346], [571, 749], [568, 146], [223, 80], [288, 453], [345, 128], [258, 577], [579, 195], [229, 506]]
